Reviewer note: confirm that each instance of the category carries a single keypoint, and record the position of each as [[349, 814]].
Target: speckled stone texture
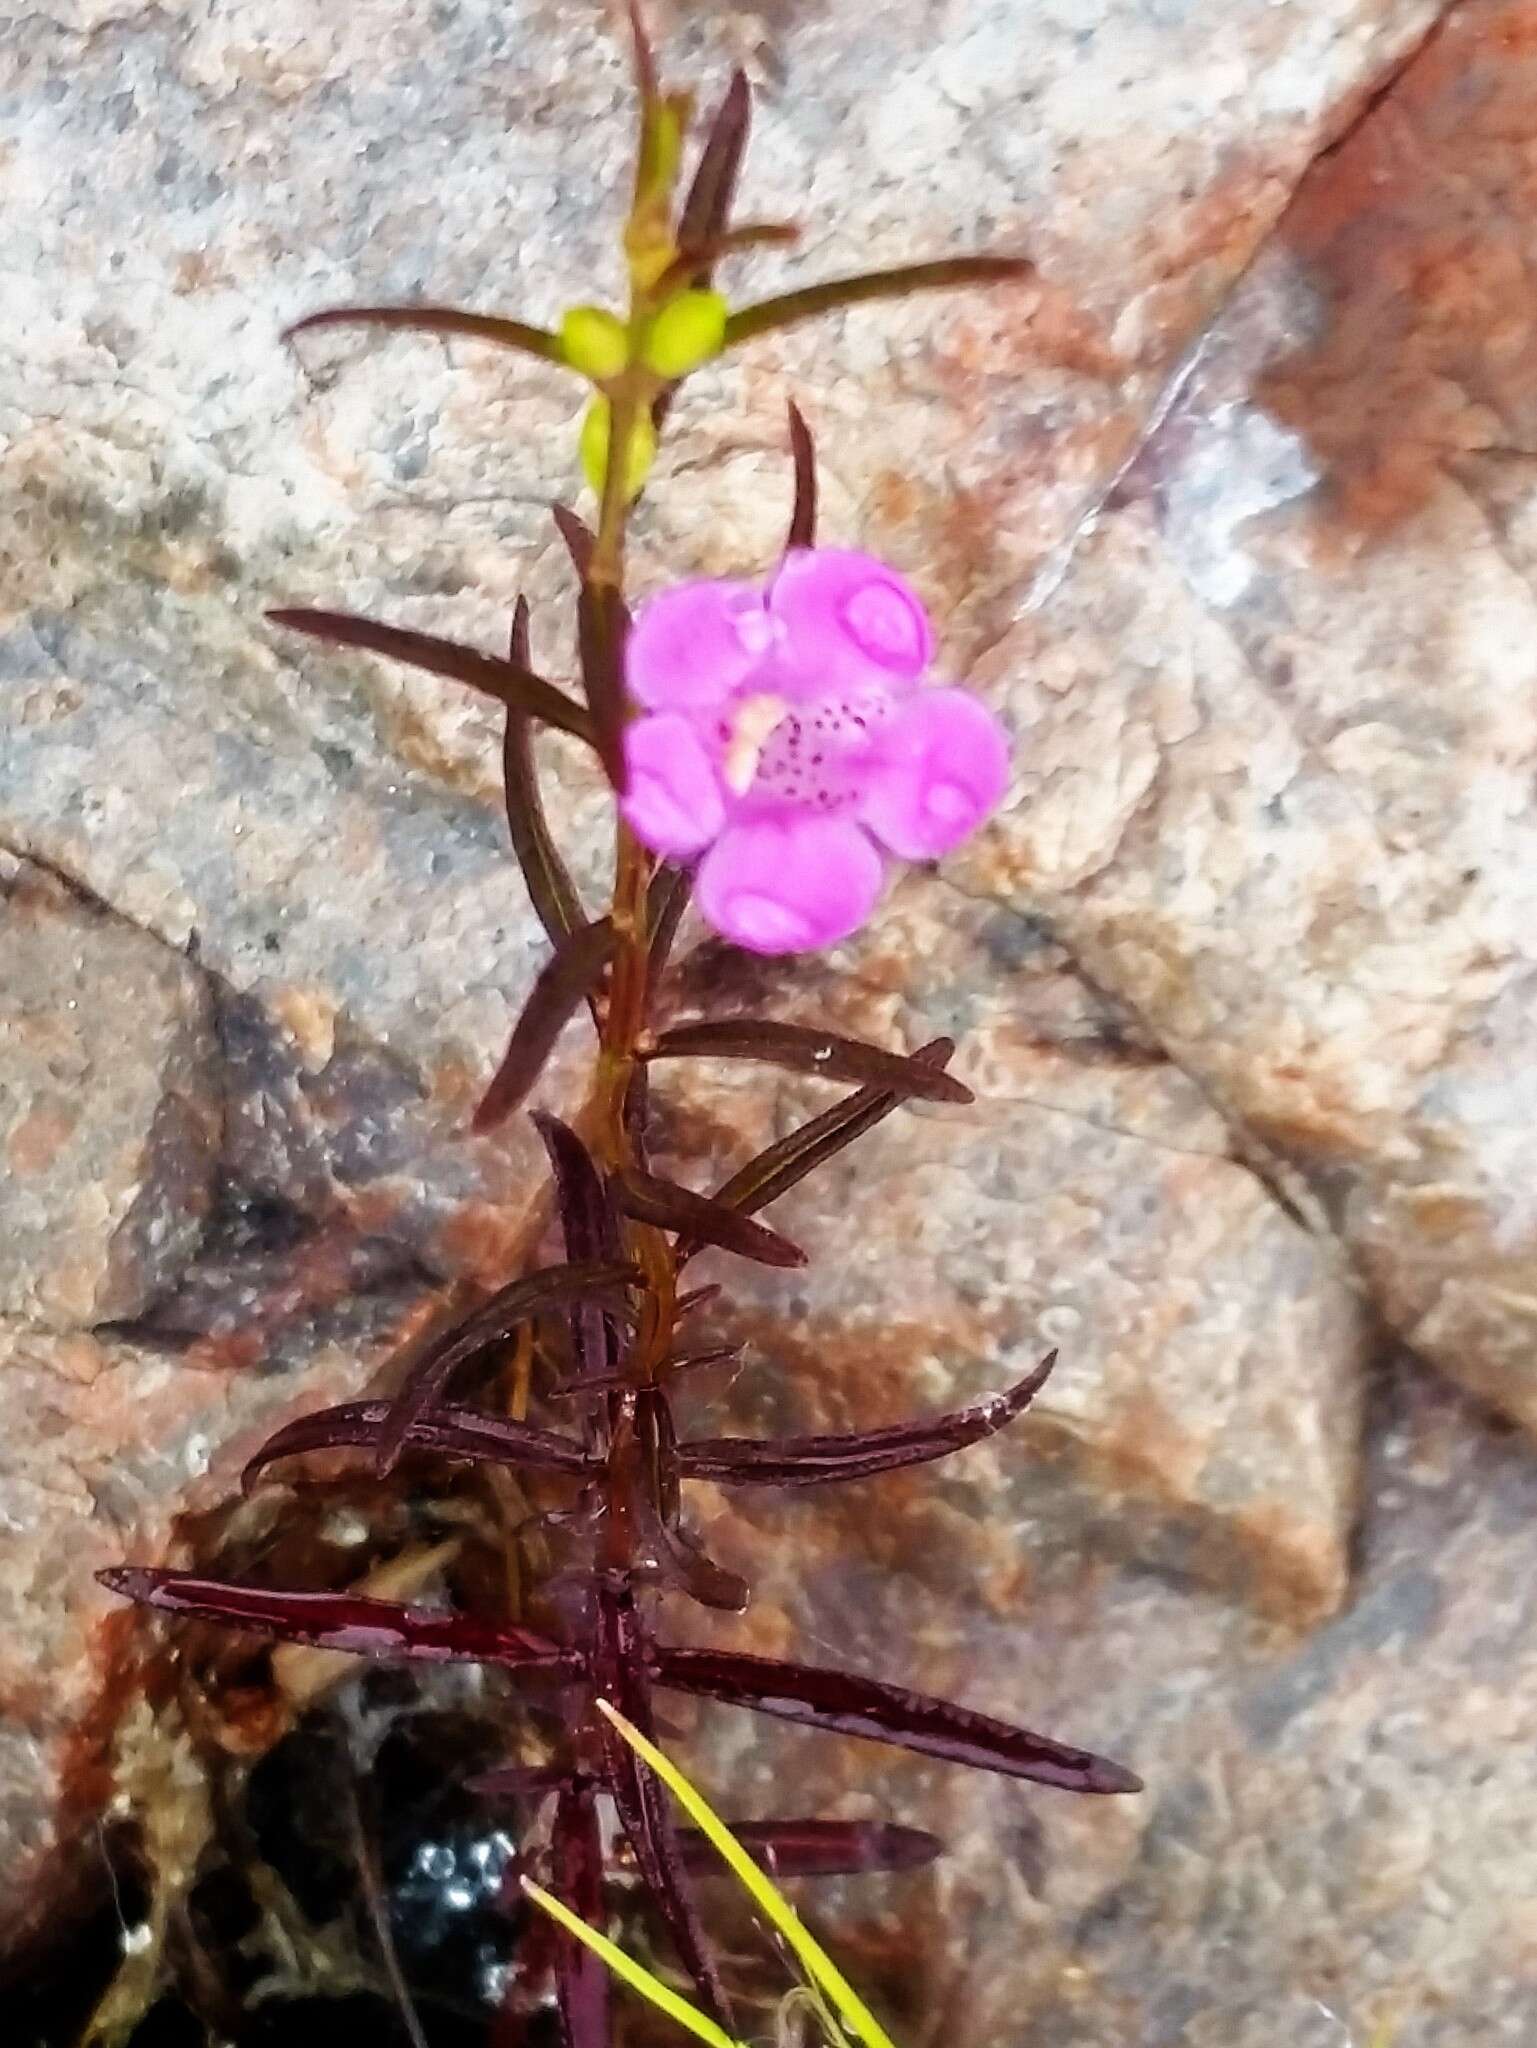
[[1335, 1846], [109, 1107], [1229, 510]]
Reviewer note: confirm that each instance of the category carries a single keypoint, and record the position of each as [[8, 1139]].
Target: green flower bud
[[594, 341], [685, 333], [595, 432]]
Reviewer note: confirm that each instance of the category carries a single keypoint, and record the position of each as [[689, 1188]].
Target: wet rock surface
[[1228, 510]]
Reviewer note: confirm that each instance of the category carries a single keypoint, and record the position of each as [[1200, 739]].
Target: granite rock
[[109, 1107], [1277, 727], [1334, 1849], [107, 1443], [1205, 1415]]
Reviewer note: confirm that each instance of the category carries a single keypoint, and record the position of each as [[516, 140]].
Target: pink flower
[[789, 736]]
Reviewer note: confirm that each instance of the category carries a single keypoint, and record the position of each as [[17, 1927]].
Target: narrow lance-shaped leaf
[[666, 901], [812, 300], [803, 512], [517, 688], [646, 83], [447, 321], [341, 1621], [819, 1460], [567, 978], [551, 890], [650, 1199], [647, 1434], [576, 1864], [590, 1226], [849, 1705], [637, 1110], [806, 1050], [641, 1804], [452, 1432], [683, 1564], [697, 1298], [707, 208], [698, 259], [784, 1164], [496, 1319], [683, 1361], [578, 536], [601, 624]]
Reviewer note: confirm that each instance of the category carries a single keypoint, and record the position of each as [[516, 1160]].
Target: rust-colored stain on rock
[[1420, 231]]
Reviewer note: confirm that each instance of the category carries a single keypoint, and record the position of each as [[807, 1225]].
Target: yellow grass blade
[[636, 1975], [775, 1907]]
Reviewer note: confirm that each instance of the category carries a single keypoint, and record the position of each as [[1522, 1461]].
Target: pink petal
[[674, 804], [789, 885], [945, 769], [850, 620], [692, 645]]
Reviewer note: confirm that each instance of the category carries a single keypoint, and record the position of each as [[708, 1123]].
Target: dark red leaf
[[551, 890], [342, 1621], [806, 1050], [717, 1354], [815, 1848], [790, 308], [601, 626], [576, 1878], [493, 1321], [683, 1564], [637, 1111], [784, 1164], [695, 1217], [698, 260], [849, 1705], [707, 208], [816, 1460], [453, 1432], [645, 59], [684, 1361], [803, 513], [645, 1460], [567, 978], [697, 1298], [519, 689], [638, 1796], [444, 320], [590, 1227], [578, 536], [666, 901]]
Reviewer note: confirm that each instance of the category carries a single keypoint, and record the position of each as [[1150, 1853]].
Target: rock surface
[[1205, 1415], [1230, 510], [105, 1443], [1334, 1849], [1278, 729], [109, 1108]]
